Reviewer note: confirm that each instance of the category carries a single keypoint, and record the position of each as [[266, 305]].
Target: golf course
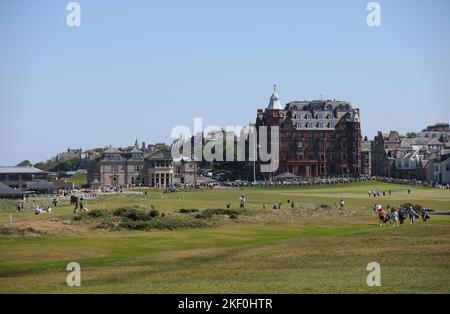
[[147, 241]]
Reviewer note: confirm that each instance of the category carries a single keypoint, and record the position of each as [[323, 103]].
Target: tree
[[25, 163]]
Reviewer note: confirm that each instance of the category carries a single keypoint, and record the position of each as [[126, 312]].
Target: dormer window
[[136, 156], [298, 116], [308, 116], [298, 125]]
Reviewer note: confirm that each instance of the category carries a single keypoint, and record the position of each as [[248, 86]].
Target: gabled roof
[[405, 144], [159, 155], [112, 150], [435, 142], [137, 150]]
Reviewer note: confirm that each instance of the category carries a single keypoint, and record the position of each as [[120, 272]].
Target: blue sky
[[143, 67]]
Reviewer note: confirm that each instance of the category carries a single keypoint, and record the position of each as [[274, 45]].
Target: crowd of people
[[398, 216], [305, 182]]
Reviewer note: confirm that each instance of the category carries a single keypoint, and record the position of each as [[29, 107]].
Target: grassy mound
[[135, 218]]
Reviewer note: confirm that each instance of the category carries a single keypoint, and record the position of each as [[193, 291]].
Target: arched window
[[298, 116], [308, 116], [330, 116], [320, 116], [320, 125]]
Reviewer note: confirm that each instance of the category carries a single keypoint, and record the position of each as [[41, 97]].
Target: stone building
[[185, 170], [145, 166], [366, 157], [69, 154], [317, 138], [393, 155], [116, 167]]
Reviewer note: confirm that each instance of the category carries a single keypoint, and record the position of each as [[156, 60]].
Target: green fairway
[[293, 250]]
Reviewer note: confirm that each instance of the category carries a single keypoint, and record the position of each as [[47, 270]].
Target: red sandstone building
[[317, 138]]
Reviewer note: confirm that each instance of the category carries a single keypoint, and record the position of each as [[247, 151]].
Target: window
[[138, 168], [299, 144], [308, 116], [298, 116], [298, 125], [136, 156], [320, 116], [320, 125], [332, 125], [309, 125]]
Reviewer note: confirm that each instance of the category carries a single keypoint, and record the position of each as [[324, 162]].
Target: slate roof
[[7, 190], [20, 170]]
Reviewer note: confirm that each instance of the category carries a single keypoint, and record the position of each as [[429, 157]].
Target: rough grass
[[300, 250]]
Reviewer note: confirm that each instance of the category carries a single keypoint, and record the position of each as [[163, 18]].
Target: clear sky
[[143, 67]]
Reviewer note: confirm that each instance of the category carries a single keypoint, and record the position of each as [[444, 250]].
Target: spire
[[136, 144], [274, 103]]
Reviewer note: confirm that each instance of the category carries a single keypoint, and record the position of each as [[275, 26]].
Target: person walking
[[425, 215], [402, 215], [242, 201], [394, 215], [412, 215], [381, 216]]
